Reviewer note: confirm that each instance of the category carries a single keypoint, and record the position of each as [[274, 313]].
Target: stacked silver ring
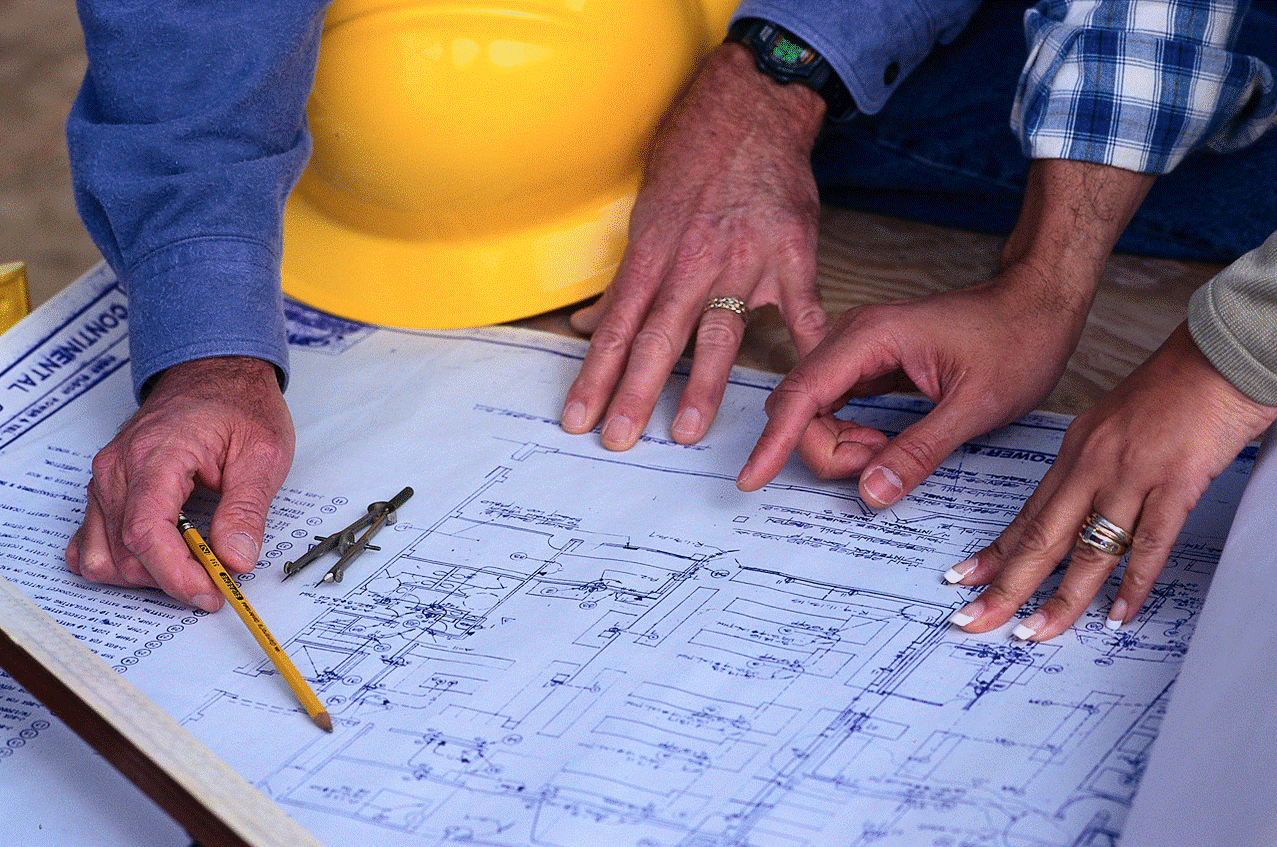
[[1104, 535], [731, 304]]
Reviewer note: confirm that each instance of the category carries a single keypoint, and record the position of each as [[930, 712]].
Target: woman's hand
[[1141, 458]]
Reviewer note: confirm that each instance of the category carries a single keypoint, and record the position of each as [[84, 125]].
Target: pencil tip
[[324, 722]]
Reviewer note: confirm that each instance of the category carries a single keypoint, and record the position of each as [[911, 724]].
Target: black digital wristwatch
[[787, 58]]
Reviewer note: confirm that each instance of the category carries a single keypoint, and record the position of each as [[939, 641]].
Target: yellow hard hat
[[474, 165]]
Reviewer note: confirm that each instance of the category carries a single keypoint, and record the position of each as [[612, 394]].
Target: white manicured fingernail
[[1029, 626], [959, 571], [1117, 614], [968, 613]]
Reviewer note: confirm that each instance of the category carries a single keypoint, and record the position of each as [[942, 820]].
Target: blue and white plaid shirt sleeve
[[1138, 84]]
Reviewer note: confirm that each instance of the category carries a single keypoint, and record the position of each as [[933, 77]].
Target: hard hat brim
[[448, 283]]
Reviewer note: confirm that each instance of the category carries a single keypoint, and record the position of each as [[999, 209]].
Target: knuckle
[[922, 455], [1086, 557], [1140, 579], [695, 247], [1061, 609], [1058, 606], [106, 461], [656, 342], [611, 340], [740, 251], [1072, 596], [241, 513], [642, 259], [1002, 547], [810, 320], [138, 535], [796, 389], [1149, 538], [132, 572], [999, 597], [97, 567], [267, 454], [718, 333], [854, 320], [72, 553], [797, 254], [1034, 540]]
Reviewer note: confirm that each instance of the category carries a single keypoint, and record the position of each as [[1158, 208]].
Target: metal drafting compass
[[379, 514]]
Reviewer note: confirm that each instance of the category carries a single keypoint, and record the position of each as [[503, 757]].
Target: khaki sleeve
[[1233, 320]]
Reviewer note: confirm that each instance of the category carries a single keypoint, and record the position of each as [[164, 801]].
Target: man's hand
[[985, 355], [1141, 458], [221, 422], [728, 208]]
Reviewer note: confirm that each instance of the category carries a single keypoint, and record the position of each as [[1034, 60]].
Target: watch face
[[787, 51]]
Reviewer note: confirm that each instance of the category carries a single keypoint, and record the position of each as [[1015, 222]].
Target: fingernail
[[1117, 614], [617, 431], [207, 602], [1029, 627], [960, 570], [743, 476], [687, 424], [243, 546], [968, 613], [883, 485], [573, 416]]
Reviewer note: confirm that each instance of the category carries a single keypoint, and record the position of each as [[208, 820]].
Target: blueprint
[[559, 645]]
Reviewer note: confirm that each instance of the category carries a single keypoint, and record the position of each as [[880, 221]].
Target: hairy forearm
[[730, 96], [1072, 216]]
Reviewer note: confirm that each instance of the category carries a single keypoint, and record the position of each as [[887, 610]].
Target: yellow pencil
[[205, 556]]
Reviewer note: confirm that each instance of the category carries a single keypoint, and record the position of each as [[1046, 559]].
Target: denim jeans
[[942, 152]]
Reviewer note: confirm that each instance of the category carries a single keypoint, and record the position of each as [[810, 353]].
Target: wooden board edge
[[203, 794]]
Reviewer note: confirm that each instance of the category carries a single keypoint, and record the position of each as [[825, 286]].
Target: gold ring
[[1102, 534], [731, 304]]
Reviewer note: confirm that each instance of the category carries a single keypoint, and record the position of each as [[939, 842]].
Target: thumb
[[807, 323], [239, 521], [237, 529], [911, 456], [587, 319]]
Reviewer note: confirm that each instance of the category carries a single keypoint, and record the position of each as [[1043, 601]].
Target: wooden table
[[871, 259]]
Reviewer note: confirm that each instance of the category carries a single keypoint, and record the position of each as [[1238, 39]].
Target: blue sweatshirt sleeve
[[872, 46], [185, 139]]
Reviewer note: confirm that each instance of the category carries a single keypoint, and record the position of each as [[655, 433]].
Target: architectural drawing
[[561, 646], [531, 668]]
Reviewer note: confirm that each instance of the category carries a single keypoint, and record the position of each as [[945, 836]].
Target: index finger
[[791, 407], [615, 320], [149, 531]]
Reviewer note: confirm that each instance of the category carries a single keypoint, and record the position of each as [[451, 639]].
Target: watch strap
[[787, 58]]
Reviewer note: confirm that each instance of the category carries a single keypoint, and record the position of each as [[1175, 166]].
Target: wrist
[[1072, 215], [1189, 362], [788, 59], [216, 374], [793, 112]]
